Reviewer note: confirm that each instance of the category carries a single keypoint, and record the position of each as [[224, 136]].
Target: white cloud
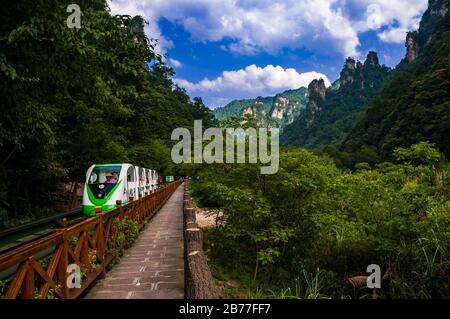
[[136, 7], [396, 35], [391, 19], [255, 26], [249, 82], [175, 63]]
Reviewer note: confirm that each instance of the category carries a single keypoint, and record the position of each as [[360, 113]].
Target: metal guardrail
[[79, 244]]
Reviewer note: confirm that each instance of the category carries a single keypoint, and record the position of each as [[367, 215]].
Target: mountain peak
[[372, 58], [434, 21], [348, 72], [350, 64], [317, 88]]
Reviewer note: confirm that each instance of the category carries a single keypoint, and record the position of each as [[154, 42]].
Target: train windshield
[[103, 179]]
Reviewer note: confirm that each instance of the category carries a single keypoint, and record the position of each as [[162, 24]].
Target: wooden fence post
[[62, 267]]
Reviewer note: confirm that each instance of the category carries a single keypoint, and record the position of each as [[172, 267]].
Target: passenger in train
[[112, 178]]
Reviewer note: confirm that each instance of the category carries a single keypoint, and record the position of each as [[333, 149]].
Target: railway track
[[20, 235], [17, 236]]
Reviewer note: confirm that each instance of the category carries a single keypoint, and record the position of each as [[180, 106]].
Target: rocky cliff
[[275, 111]]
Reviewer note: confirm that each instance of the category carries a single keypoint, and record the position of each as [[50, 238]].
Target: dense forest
[[74, 97], [311, 230]]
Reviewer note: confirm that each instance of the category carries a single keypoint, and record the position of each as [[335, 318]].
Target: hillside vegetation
[[414, 105], [273, 111], [331, 113], [306, 231]]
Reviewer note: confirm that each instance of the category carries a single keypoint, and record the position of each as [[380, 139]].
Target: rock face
[[277, 114], [372, 58], [412, 46], [437, 14], [249, 111], [280, 106], [317, 95], [348, 73], [276, 111], [317, 88]]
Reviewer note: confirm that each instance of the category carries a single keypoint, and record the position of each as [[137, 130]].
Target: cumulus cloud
[[391, 19], [249, 82], [141, 8], [255, 26], [175, 63]]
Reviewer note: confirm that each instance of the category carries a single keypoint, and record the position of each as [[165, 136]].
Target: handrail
[[79, 244]]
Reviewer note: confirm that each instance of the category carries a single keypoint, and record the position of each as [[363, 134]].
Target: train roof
[[112, 164]]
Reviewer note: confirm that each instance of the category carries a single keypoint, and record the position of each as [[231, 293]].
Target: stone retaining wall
[[199, 282]]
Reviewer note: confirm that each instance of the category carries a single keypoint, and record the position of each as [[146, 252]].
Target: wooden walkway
[[154, 267]]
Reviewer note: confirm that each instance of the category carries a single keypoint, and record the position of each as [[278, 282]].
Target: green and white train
[[107, 183]]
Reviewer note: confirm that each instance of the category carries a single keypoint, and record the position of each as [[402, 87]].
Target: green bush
[[313, 216], [127, 231]]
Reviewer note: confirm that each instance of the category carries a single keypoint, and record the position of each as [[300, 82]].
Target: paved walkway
[[154, 267]]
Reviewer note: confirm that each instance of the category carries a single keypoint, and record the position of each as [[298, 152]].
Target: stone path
[[154, 267]]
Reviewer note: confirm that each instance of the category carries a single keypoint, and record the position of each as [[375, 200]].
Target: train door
[[131, 181], [156, 179], [152, 178], [148, 181], [141, 182]]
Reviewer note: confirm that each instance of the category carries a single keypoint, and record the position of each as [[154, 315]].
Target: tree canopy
[[74, 97]]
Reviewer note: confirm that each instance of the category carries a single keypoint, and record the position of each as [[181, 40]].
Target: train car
[[107, 183], [155, 181], [169, 179], [141, 179], [148, 181]]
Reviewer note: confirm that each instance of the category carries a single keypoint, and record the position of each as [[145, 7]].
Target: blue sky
[[228, 49]]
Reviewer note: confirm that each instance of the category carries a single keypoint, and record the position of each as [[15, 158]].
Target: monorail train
[[107, 183]]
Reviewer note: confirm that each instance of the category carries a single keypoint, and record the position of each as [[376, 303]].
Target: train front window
[[103, 179]]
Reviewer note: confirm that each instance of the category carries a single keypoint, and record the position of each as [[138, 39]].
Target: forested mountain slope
[[414, 105], [331, 113], [274, 111]]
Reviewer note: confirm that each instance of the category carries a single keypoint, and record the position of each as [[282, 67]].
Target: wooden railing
[[44, 266]]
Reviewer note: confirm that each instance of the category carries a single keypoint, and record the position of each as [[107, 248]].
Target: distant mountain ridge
[[273, 111]]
